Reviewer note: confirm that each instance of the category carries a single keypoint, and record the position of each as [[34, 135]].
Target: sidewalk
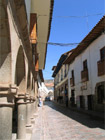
[[94, 114], [40, 131]]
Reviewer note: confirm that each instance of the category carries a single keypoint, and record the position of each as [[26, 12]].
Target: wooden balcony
[[84, 75], [72, 82], [101, 67]]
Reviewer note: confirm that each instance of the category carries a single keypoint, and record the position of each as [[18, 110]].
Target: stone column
[[32, 107], [36, 104], [33, 110], [28, 111], [21, 132], [7, 94]]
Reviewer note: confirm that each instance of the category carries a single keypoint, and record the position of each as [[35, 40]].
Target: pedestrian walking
[[40, 101]]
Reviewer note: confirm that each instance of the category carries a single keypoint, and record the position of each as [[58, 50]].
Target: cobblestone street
[[59, 123]]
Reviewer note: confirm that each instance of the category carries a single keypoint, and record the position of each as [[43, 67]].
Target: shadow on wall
[[79, 117]]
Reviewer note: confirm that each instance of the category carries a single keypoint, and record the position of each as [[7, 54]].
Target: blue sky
[[69, 29]]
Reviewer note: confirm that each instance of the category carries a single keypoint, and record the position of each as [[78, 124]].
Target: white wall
[[92, 54]]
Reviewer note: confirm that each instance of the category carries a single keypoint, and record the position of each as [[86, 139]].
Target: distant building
[[60, 79], [49, 84]]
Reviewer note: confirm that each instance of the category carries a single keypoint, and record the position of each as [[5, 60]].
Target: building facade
[[86, 76], [21, 59], [60, 75], [49, 84]]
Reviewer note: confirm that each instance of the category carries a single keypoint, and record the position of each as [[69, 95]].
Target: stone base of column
[[35, 115], [36, 108], [33, 121], [28, 125], [29, 130], [32, 108]]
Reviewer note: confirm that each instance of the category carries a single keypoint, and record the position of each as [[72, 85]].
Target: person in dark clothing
[[72, 101]]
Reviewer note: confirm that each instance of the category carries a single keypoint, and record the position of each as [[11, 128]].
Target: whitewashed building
[[86, 76], [60, 75]]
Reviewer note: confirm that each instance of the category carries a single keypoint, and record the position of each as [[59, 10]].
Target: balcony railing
[[101, 67], [84, 75], [72, 82]]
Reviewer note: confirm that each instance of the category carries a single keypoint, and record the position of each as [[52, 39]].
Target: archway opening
[[20, 71]]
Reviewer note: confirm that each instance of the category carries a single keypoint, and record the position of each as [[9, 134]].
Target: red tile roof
[[49, 84]]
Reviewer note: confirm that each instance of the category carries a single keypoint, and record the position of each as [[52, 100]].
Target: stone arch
[[99, 107], [32, 83], [20, 76], [5, 46]]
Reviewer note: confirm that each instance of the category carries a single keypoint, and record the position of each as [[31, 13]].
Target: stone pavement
[[59, 123]]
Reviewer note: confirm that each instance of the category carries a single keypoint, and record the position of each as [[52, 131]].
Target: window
[[72, 73], [66, 89], [61, 74], [62, 90], [100, 94], [102, 53], [65, 71], [59, 92], [58, 78], [85, 65]]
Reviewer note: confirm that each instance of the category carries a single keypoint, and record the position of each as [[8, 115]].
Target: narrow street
[[59, 123]]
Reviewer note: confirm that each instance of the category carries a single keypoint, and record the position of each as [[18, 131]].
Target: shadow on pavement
[[79, 117]]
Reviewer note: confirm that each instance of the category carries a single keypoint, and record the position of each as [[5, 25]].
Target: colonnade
[[18, 82]]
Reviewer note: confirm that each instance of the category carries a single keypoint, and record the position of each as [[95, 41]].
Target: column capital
[[32, 99], [27, 95], [7, 93], [21, 98], [13, 89], [28, 98], [8, 89]]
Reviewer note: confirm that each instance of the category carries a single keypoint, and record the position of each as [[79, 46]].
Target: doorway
[[100, 94], [81, 101], [89, 102], [72, 99]]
